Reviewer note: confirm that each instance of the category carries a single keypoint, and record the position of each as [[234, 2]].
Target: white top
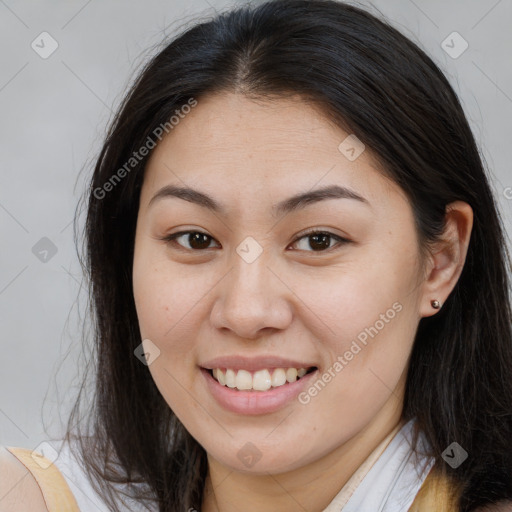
[[389, 483], [86, 497], [393, 480]]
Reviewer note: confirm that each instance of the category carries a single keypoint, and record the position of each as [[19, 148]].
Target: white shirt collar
[[389, 479]]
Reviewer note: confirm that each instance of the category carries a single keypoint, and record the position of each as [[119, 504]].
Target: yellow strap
[[56, 492], [437, 493]]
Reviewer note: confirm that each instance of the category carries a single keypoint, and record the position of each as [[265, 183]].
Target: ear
[[447, 258]]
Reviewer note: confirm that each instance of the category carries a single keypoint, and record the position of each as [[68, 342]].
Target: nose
[[252, 298]]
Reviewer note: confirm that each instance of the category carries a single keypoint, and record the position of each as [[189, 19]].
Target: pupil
[[324, 244], [198, 238]]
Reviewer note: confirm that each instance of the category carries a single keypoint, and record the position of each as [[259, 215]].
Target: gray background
[[54, 114]]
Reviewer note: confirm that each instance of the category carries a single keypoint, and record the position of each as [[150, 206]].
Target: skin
[[292, 300]]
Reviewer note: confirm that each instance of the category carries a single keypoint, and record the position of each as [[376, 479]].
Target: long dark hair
[[377, 84]]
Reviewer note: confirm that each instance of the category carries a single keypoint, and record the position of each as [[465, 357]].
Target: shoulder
[[19, 490], [440, 493]]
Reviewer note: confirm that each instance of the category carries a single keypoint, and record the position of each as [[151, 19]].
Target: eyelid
[[319, 231], [172, 237], [312, 231]]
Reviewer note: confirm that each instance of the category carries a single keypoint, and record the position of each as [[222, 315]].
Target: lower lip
[[255, 402]]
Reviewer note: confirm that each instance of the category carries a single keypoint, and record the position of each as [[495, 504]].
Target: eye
[[319, 241], [197, 240]]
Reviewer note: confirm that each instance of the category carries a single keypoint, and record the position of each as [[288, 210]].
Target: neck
[[311, 487]]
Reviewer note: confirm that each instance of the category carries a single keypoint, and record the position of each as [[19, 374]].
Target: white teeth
[[278, 377], [230, 378], [261, 380], [243, 380], [291, 374]]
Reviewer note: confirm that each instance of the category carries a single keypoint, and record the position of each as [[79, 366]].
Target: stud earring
[[436, 304]]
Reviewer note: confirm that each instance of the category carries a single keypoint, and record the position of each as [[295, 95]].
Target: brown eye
[[320, 241], [197, 240]]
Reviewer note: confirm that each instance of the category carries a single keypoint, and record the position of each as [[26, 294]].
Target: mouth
[[258, 381], [257, 392]]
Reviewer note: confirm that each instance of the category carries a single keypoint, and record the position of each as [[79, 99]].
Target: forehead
[[241, 148], [227, 123]]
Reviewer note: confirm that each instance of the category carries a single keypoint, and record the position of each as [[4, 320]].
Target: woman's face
[[249, 288]]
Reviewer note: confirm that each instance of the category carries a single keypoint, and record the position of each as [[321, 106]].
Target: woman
[[299, 279]]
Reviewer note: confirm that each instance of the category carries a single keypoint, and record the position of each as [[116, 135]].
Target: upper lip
[[254, 363]]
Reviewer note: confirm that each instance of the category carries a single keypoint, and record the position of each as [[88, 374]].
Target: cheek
[[165, 303], [367, 358], [365, 317], [151, 304], [164, 298], [346, 304]]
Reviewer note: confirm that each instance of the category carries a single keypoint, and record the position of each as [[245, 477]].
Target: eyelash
[[341, 240]]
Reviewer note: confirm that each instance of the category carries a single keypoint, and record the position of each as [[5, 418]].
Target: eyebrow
[[295, 202]]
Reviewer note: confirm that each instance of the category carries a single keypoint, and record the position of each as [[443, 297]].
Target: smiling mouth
[[261, 380]]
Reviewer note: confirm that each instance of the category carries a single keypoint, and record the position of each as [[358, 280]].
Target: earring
[[436, 304]]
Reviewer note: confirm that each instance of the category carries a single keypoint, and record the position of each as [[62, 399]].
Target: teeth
[[291, 374], [278, 377], [230, 378], [243, 380], [262, 380]]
